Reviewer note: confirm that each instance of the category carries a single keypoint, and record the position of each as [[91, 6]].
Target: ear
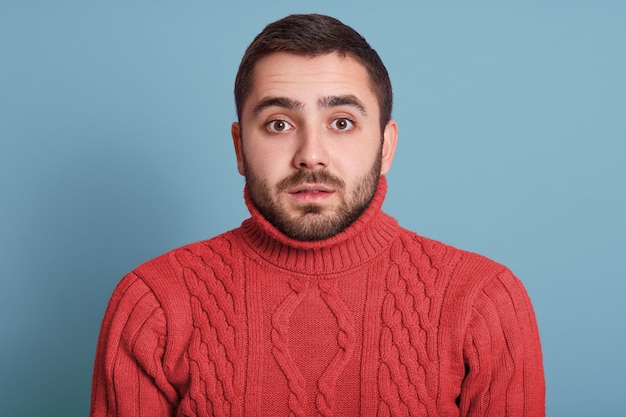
[[235, 132], [390, 140]]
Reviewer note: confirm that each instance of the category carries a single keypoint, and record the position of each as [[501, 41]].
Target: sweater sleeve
[[502, 353], [128, 377]]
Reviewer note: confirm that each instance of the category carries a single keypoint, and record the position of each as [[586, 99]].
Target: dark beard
[[312, 223]]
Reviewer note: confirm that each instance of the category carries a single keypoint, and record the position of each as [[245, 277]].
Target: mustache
[[304, 177]]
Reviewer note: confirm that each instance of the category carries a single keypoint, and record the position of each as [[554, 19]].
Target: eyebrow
[[283, 102], [325, 103], [347, 100]]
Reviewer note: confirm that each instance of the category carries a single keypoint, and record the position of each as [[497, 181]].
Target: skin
[[309, 143]]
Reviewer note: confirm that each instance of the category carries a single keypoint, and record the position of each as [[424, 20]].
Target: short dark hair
[[313, 35]]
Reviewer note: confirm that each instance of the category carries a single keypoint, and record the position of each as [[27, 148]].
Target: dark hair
[[313, 35]]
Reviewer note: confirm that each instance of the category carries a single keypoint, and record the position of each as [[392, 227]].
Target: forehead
[[289, 75]]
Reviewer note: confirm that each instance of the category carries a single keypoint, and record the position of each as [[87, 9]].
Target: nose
[[311, 152]]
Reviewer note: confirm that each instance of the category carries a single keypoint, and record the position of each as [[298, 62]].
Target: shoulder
[[171, 263], [158, 295], [170, 275], [469, 286], [441, 254], [465, 273]]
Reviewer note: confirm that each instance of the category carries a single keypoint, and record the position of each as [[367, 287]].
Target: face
[[309, 143]]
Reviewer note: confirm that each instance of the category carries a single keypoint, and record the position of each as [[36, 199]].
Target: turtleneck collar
[[361, 241]]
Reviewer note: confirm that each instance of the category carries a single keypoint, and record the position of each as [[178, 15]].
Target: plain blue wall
[[115, 147]]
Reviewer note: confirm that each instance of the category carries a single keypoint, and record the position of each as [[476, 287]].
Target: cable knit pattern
[[409, 342], [280, 339], [217, 342], [345, 339], [376, 321]]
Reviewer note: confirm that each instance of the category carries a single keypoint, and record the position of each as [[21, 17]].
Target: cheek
[[264, 164], [358, 159]]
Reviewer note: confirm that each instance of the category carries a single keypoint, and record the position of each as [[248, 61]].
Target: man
[[320, 303]]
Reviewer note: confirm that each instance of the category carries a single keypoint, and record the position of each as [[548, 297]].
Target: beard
[[313, 221]]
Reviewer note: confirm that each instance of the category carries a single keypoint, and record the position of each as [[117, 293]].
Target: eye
[[342, 124], [277, 126]]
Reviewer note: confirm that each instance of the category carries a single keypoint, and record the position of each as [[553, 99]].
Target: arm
[[502, 354], [128, 377]]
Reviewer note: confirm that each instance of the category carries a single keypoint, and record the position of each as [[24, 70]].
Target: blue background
[[115, 147]]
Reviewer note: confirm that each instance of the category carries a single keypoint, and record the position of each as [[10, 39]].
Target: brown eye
[[278, 126], [343, 124]]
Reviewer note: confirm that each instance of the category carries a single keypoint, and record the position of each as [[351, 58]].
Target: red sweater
[[376, 321]]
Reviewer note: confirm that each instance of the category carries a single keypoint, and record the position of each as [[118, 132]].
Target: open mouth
[[311, 192], [310, 188]]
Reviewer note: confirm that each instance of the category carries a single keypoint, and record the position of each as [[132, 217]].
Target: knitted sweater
[[376, 321]]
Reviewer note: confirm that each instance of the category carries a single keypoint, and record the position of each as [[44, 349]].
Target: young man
[[320, 303]]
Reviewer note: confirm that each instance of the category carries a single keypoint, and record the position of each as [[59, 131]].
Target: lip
[[311, 192], [310, 188]]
